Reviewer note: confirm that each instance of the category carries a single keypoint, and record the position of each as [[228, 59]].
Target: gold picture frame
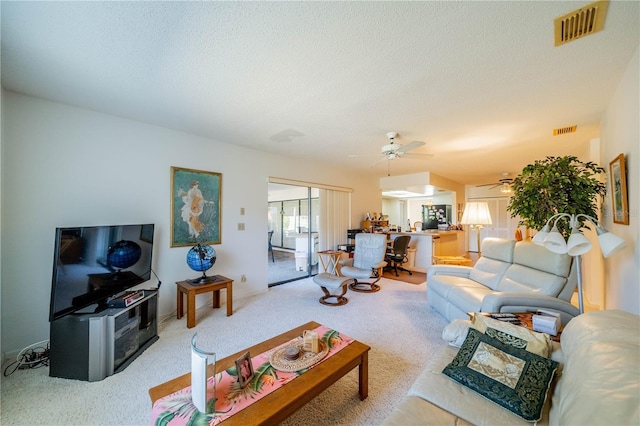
[[195, 207], [619, 197]]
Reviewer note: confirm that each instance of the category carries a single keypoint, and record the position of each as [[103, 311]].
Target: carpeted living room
[[403, 332], [140, 146]]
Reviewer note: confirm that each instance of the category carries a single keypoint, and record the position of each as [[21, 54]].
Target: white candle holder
[[200, 359]]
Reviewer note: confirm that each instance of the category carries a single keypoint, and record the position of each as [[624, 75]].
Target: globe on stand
[[201, 258], [122, 255]]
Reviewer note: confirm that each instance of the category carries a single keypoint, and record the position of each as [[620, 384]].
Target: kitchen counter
[[431, 243]]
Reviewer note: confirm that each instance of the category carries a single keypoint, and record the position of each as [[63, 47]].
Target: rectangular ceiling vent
[[580, 23], [564, 130]]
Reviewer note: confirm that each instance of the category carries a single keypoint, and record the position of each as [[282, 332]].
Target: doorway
[[503, 225], [293, 222]]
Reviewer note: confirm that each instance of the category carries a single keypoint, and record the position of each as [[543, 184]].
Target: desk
[[184, 287], [329, 261]]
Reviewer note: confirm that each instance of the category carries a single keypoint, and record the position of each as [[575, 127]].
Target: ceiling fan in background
[[504, 183], [395, 150]]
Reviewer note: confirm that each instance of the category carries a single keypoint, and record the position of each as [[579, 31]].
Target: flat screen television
[[93, 264]]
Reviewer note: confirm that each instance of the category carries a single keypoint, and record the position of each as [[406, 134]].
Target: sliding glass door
[[293, 218], [302, 220]]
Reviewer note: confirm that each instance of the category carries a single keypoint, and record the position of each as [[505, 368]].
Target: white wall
[[396, 210], [620, 133], [64, 166]]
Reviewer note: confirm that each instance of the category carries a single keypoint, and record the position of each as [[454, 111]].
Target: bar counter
[[431, 243]]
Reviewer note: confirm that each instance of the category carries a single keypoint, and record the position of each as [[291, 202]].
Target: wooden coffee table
[[280, 404]]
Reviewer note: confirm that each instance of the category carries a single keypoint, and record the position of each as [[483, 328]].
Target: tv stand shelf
[[93, 346]]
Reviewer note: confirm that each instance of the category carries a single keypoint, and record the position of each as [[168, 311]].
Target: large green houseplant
[[556, 185]]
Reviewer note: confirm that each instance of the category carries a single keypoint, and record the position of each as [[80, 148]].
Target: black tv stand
[[92, 346]]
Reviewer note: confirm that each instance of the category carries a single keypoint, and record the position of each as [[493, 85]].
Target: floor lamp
[[476, 214], [577, 244]]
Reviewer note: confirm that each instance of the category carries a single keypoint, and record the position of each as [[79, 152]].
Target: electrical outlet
[[241, 227], [243, 278], [241, 211]]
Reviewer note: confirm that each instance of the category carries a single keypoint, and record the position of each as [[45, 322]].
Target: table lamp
[[476, 214]]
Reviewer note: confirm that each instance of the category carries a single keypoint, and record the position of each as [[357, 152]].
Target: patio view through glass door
[[293, 216]]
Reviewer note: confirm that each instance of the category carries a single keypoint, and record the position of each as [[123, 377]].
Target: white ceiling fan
[[395, 150], [504, 183]]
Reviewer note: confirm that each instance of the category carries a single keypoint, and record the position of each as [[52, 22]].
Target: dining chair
[[270, 246]]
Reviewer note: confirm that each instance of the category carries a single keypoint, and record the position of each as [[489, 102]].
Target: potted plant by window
[[556, 185]]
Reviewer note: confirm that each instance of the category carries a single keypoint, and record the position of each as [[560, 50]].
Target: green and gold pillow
[[513, 378], [538, 343]]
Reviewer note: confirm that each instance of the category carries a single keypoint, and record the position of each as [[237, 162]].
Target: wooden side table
[[329, 260], [184, 287]]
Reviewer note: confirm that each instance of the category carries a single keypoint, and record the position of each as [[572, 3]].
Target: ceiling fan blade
[[409, 147], [416, 156], [492, 185], [379, 161], [363, 155]]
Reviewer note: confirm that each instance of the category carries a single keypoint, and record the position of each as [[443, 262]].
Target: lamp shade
[[540, 236], [476, 213], [505, 188], [555, 242], [578, 244], [609, 243]]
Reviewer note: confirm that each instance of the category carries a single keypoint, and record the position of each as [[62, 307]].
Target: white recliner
[[367, 262], [509, 277]]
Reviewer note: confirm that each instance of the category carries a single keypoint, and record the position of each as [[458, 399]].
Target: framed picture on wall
[[195, 207], [619, 201]]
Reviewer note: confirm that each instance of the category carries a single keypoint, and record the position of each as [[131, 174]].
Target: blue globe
[[123, 254], [201, 257]]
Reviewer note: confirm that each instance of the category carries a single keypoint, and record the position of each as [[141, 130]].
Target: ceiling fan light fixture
[[505, 188], [394, 150]]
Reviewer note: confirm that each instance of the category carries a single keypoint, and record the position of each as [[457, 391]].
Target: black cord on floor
[[35, 357]]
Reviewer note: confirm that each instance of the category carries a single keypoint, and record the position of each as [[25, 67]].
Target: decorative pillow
[[456, 331], [513, 378], [538, 343]]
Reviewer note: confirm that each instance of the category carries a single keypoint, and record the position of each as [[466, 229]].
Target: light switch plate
[[241, 227]]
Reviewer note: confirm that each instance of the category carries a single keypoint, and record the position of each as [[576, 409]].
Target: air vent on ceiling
[[580, 23], [564, 130]]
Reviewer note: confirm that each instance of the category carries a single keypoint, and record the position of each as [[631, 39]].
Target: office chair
[[399, 254], [270, 246], [367, 262]]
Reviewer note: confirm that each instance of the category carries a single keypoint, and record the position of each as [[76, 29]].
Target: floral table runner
[[178, 409]]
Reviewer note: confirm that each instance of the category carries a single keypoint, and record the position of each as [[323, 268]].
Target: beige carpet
[[403, 331]]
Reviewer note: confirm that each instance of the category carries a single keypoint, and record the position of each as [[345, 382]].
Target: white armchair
[[367, 262]]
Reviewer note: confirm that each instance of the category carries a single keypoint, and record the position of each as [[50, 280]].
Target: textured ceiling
[[480, 82]]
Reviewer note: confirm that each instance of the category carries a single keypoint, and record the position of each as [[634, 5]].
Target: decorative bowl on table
[[280, 361]]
